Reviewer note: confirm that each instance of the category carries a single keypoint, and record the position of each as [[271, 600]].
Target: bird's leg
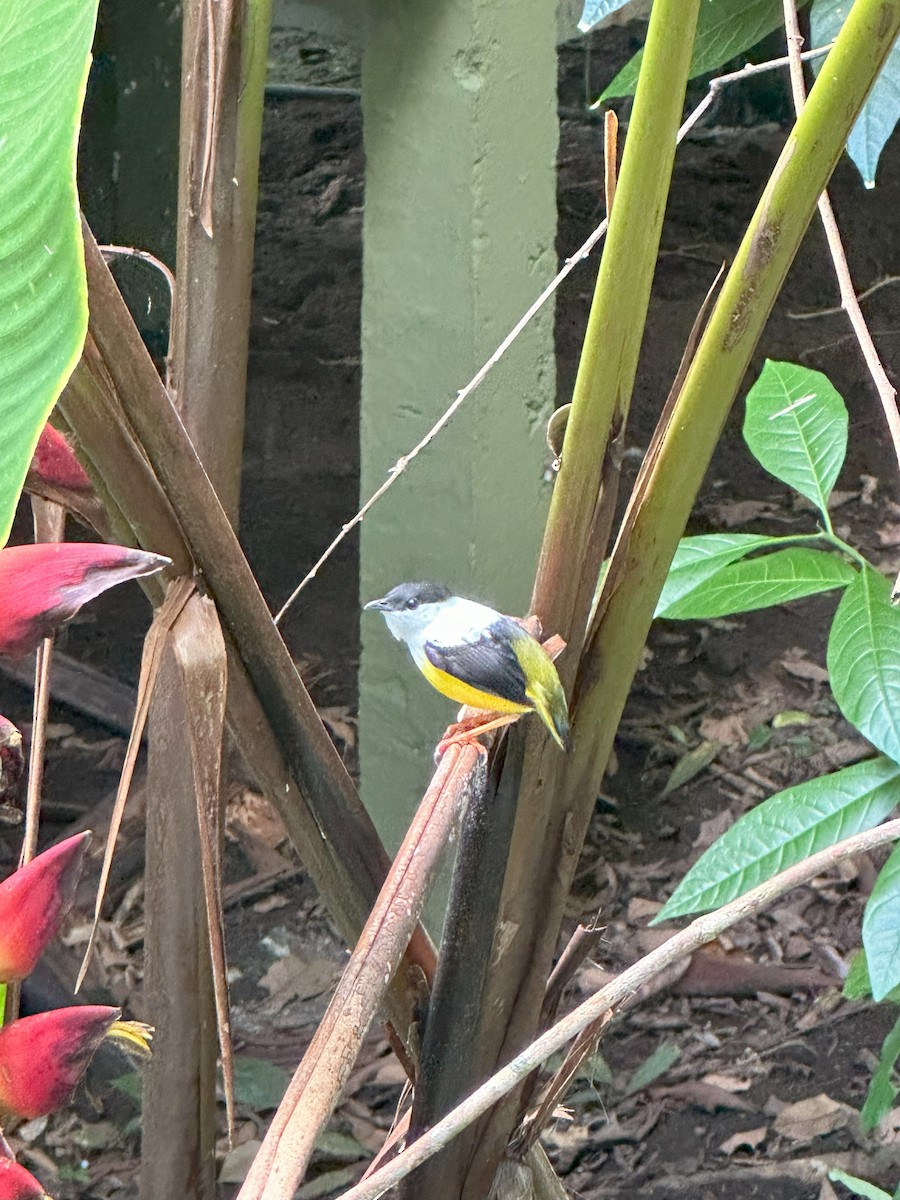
[[468, 729]]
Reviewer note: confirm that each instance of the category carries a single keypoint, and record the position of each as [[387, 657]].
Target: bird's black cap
[[411, 595]]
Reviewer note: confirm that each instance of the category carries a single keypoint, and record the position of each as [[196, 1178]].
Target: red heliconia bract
[[33, 902], [56, 464], [43, 1057], [18, 1184], [42, 586]]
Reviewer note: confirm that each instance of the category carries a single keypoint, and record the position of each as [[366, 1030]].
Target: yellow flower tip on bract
[[133, 1036]]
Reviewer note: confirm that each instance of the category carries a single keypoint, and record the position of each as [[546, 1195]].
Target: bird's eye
[[411, 603]]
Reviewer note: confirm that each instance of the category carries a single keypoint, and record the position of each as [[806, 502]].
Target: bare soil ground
[[754, 1069]]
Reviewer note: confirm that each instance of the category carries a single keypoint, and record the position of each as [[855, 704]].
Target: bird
[[476, 655]]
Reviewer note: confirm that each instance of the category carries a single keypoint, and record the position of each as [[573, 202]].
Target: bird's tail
[[551, 707]]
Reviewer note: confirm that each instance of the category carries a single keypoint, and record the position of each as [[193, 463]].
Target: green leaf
[[858, 1187], [784, 830], [796, 427], [338, 1147], [864, 660], [790, 717], [328, 1184], [258, 1083], [657, 1064], [856, 985], [881, 929], [44, 58], [698, 558], [881, 1094], [724, 29], [594, 11], [761, 582], [691, 764], [880, 113]]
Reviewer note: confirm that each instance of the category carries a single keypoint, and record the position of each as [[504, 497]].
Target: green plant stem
[[655, 522], [839, 544], [566, 574]]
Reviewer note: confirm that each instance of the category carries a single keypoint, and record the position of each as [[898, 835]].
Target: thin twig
[[722, 81], [402, 463], [839, 308], [40, 713], [849, 301], [704, 929], [580, 254]]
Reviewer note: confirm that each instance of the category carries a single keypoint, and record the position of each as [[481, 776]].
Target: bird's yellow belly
[[462, 693]]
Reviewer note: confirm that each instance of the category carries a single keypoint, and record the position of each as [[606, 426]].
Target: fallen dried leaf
[[641, 910], [297, 978], [796, 663], [237, 1161], [712, 829], [269, 903], [706, 1096], [747, 1139], [729, 730], [740, 512], [817, 1116], [730, 1083]]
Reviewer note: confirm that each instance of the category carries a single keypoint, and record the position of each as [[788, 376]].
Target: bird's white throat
[[447, 623]]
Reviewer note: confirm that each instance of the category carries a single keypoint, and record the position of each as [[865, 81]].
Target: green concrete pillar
[[460, 128]]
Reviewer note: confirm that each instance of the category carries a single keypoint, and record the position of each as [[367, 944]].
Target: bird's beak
[[377, 605]]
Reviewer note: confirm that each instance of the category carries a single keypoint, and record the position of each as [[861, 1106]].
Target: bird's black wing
[[488, 663]]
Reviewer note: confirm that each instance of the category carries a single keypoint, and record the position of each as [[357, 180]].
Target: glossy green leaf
[[796, 427], [594, 12], [698, 558], [784, 830], [881, 929], [724, 29], [761, 582], [44, 58], [880, 113], [864, 660]]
